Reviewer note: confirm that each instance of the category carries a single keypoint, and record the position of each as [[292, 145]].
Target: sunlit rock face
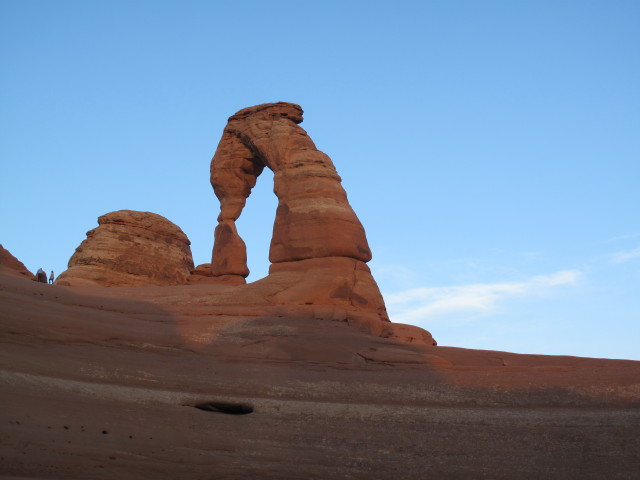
[[313, 219], [130, 248], [11, 265], [319, 248]]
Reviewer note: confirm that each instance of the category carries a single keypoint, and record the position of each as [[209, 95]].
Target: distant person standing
[[41, 275], [51, 277]]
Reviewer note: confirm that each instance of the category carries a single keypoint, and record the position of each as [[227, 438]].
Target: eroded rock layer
[[130, 248]]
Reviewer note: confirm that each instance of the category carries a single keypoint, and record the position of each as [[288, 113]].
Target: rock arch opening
[[255, 225]]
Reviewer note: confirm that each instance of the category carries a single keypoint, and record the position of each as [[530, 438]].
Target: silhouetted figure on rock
[[41, 276]]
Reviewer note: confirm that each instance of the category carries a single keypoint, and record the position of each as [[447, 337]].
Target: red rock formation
[[11, 265], [319, 247], [314, 218], [203, 274], [201, 271], [130, 248]]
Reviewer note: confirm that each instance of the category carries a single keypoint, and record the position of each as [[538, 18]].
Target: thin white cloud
[[625, 256], [623, 237], [419, 304]]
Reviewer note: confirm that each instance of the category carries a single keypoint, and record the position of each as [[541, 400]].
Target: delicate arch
[[313, 218]]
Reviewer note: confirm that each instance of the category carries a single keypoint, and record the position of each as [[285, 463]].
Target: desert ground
[[151, 382]]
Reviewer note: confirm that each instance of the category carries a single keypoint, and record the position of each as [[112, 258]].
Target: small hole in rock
[[223, 407]]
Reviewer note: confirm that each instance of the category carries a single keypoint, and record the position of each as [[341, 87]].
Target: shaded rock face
[[97, 384], [11, 265], [130, 248], [319, 248]]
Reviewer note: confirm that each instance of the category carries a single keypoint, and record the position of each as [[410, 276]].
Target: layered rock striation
[[130, 248]]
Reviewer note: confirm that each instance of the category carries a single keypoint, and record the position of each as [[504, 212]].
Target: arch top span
[[313, 217]]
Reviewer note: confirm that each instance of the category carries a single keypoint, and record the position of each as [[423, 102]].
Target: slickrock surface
[[11, 265], [130, 248], [103, 383], [319, 247]]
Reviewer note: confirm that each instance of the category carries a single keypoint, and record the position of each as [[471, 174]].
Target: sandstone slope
[[134, 383], [11, 265]]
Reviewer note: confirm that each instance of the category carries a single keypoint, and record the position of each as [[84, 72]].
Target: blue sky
[[490, 148]]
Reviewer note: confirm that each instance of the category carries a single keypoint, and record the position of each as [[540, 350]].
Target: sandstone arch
[[319, 248], [313, 218]]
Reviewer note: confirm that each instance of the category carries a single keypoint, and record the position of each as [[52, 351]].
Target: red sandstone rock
[[101, 383], [130, 248], [314, 218], [11, 265], [229, 251], [319, 247], [203, 274]]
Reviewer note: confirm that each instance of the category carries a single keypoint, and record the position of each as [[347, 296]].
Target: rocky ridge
[[11, 265]]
